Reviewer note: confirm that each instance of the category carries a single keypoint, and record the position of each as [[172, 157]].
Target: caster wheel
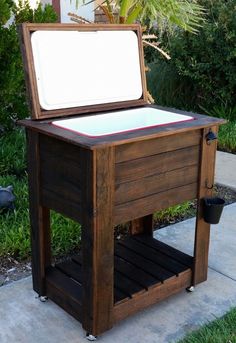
[[190, 289], [43, 298], [90, 337]]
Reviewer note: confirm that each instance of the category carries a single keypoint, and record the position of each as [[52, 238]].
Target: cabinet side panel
[[61, 177]]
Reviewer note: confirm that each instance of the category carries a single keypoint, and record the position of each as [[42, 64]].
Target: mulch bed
[[11, 269]]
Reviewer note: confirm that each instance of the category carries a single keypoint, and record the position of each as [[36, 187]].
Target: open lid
[[73, 69]]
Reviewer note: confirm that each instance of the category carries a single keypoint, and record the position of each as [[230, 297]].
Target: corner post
[[98, 241], [39, 217], [202, 231]]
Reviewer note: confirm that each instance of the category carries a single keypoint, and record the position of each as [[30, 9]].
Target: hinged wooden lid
[[77, 69]]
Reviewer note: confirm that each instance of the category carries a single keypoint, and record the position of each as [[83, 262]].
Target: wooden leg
[[202, 232], [142, 225], [98, 243], [39, 218]]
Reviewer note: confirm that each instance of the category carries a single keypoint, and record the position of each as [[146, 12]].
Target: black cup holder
[[212, 209]]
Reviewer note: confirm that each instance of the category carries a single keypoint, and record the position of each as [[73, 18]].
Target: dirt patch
[[12, 269]]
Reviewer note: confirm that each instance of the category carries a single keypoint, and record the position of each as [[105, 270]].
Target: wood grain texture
[[142, 225], [152, 147], [98, 243], [154, 295], [148, 186], [64, 291], [202, 231], [139, 169], [61, 177], [39, 217], [155, 202]]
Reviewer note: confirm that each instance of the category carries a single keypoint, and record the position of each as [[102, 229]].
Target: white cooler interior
[[122, 121]]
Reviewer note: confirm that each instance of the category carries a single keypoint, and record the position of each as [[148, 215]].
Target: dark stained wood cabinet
[[104, 181]]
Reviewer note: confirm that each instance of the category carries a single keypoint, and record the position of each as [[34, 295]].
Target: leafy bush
[[13, 104], [206, 61], [227, 132], [168, 88]]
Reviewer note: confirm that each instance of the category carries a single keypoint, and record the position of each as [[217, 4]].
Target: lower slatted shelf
[[143, 267]]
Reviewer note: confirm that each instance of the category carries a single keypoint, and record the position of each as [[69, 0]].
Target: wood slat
[[144, 206], [55, 202], [69, 287], [170, 287], [156, 164], [119, 296], [57, 182], [139, 261], [148, 186], [64, 292], [166, 249], [71, 269], [151, 147], [136, 274], [157, 257], [61, 176], [51, 147], [127, 286]]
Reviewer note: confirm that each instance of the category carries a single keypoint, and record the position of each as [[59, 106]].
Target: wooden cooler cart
[[109, 175]]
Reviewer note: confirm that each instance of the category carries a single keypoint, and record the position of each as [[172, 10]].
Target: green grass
[[227, 132], [227, 137], [12, 153], [222, 330], [172, 213], [14, 225]]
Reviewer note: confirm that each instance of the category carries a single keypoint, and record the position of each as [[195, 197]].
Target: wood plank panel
[[151, 147], [64, 292], [60, 177], [55, 148], [141, 262], [71, 269], [166, 249], [127, 286], [156, 164], [55, 202], [165, 261], [155, 295], [130, 191], [144, 206], [60, 168], [141, 277]]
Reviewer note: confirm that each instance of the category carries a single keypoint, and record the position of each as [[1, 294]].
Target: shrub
[[207, 61], [13, 104]]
